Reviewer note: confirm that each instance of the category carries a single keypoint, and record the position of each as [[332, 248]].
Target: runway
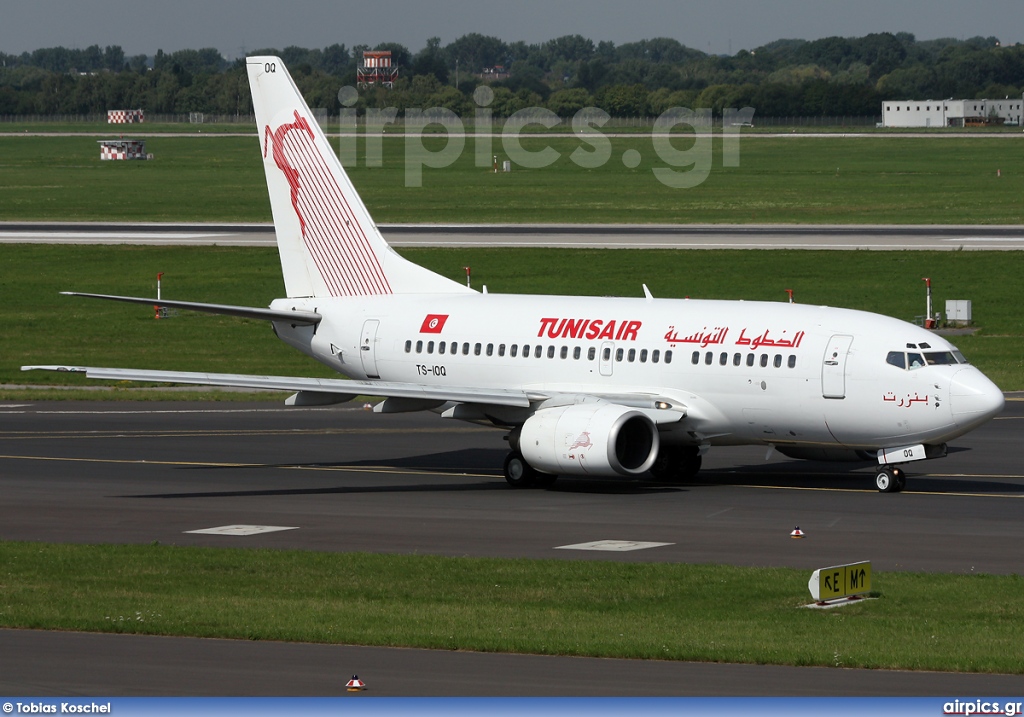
[[346, 479], [582, 236]]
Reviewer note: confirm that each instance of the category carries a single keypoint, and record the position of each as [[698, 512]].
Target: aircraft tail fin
[[328, 242]]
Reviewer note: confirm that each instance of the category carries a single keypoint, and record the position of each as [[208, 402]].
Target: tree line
[[833, 76]]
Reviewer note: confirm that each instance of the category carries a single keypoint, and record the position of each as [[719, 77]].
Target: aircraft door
[[833, 367], [607, 358], [368, 348]]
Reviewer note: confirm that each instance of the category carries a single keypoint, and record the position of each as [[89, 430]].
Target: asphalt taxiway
[[881, 237], [344, 479]]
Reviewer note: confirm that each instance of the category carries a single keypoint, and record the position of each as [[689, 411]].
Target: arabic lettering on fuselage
[[717, 336], [907, 401]]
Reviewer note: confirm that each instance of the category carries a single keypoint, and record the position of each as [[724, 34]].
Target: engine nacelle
[[599, 438]]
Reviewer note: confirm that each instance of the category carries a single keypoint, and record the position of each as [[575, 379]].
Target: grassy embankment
[[970, 623], [779, 180], [37, 325]]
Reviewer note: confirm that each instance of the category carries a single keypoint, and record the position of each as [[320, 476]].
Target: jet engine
[[599, 438]]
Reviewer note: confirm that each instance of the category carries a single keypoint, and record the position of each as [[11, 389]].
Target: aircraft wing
[[246, 312], [338, 387]]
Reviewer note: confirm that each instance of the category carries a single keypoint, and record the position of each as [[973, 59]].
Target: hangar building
[[952, 113]]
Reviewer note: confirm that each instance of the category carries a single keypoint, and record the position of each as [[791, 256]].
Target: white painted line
[[618, 546], [8, 236], [242, 529], [1013, 239]]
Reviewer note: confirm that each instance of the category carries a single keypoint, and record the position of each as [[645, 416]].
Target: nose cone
[[973, 399]]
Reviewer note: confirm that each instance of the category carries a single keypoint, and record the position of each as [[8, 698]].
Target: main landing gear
[[890, 479], [520, 474], [676, 464]]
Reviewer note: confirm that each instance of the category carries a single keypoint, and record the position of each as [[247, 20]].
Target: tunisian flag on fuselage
[[433, 323]]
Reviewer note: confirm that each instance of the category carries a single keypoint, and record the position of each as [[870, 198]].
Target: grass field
[[780, 180], [967, 623], [37, 325]]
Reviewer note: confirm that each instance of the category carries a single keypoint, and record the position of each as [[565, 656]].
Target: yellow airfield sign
[[840, 581]]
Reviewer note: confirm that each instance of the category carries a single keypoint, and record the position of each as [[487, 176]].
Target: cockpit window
[[897, 359], [914, 359], [940, 358]]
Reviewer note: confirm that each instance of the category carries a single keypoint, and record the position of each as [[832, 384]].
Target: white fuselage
[[746, 372]]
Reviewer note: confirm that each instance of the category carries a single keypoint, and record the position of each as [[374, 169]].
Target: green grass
[[968, 623], [780, 180], [38, 326]]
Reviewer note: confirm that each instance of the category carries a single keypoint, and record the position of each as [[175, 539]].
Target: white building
[[952, 113]]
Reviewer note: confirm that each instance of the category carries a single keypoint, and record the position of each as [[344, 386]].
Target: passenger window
[[750, 359], [914, 361], [764, 360], [591, 353], [440, 347], [408, 346], [606, 355], [723, 359], [655, 355], [897, 359], [668, 357], [643, 355], [695, 359], [419, 347], [430, 347], [551, 351], [465, 349], [490, 349], [513, 350], [564, 353], [501, 349], [526, 350], [476, 349], [777, 361], [708, 358], [576, 352], [537, 351], [737, 359], [792, 360], [631, 356], [618, 355]]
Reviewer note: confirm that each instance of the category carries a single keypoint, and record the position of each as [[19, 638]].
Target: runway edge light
[[355, 684], [797, 533]]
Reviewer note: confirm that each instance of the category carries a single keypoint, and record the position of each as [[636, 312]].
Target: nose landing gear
[[890, 479]]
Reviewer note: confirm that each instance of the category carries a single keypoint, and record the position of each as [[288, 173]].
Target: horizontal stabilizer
[[246, 312], [388, 389]]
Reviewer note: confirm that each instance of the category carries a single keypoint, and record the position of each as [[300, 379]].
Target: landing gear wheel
[[676, 464], [890, 480], [901, 479], [544, 480], [519, 473]]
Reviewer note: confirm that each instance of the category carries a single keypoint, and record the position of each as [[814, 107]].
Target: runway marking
[[905, 492], [617, 546], [292, 467], [190, 433], [718, 513], [242, 529]]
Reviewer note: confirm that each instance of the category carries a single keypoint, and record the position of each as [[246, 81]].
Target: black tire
[[901, 479], [519, 473], [676, 464], [544, 480], [885, 480]]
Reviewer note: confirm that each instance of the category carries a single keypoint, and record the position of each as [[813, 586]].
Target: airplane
[[584, 386]]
